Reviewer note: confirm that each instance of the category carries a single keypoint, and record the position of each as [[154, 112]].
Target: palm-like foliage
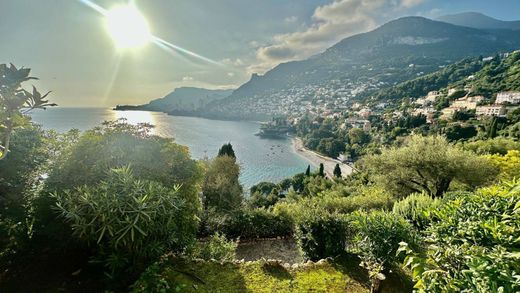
[[15, 101]]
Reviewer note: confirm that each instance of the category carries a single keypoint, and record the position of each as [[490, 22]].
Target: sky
[[67, 46]]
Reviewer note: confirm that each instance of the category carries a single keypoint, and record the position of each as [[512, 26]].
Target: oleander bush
[[473, 244], [129, 222]]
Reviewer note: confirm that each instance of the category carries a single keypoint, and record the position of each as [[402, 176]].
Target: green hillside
[[482, 77]]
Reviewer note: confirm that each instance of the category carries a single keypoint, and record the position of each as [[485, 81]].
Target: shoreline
[[315, 159]]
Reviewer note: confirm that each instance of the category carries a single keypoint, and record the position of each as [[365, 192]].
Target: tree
[[358, 136], [263, 187], [455, 132], [20, 171], [221, 189], [308, 170], [492, 128], [337, 171], [115, 145], [227, 150], [321, 171], [15, 101], [427, 164], [513, 131]]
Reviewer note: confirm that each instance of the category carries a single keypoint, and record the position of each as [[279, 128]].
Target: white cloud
[[330, 23], [232, 62], [291, 19], [230, 74]]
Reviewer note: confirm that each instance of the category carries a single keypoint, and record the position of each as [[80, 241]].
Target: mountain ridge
[[182, 99], [394, 52], [479, 20]]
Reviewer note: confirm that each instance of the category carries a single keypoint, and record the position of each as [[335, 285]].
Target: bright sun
[[128, 27]]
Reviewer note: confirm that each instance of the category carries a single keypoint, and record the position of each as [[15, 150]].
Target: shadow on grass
[[348, 264], [396, 280], [189, 276], [276, 270]]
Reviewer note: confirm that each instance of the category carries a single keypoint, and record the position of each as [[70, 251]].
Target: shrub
[[114, 145], [366, 198], [498, 145], [472, 245], [322, 235], [246, 223], [416, 209], [509, 164], [217, 247], [377, 239], [129, 222]]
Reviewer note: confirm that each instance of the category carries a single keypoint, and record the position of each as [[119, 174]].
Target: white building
[[469, 103], [447, 113], [508, 97], [491, 110]]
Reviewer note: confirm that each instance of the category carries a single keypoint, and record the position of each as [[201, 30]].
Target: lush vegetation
[[471, 244], [431, 208]]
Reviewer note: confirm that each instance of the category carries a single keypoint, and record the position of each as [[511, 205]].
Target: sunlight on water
[[135, 117]]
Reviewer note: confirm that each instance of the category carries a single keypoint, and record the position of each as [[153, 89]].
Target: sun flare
[[128, 27]]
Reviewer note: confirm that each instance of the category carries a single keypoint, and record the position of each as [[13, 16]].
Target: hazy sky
[[68, 48]]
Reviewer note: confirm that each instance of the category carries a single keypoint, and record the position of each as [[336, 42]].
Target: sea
[[260, 159]]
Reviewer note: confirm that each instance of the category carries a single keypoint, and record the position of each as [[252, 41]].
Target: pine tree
[[493, 128], [337, 171], [308, 171], [227, 150], [322, 170]]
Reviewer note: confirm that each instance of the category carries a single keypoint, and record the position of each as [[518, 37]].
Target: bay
[[260, 159]]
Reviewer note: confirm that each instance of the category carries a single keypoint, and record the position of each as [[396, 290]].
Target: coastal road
[[315, 159]]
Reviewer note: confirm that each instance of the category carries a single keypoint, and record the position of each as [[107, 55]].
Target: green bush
[[130, 222], [218, 247], [498, 145], [247, 223], [322, 235], [114, 145], [472, 244], [416, 209], [333, 201], [377, 239]]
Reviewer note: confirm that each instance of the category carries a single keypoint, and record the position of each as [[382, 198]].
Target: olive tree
[[427, 164]]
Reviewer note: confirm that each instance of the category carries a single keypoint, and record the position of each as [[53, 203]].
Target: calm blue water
[[260, 159]]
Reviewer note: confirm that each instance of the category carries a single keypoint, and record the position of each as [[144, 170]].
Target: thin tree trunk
[[7, 139]]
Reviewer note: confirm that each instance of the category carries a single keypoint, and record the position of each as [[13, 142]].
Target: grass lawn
[[178, 275]]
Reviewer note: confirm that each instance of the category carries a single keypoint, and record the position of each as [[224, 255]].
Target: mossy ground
[[177, 275]]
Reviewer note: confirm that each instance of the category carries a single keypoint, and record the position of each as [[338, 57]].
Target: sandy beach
[[315, 159]]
